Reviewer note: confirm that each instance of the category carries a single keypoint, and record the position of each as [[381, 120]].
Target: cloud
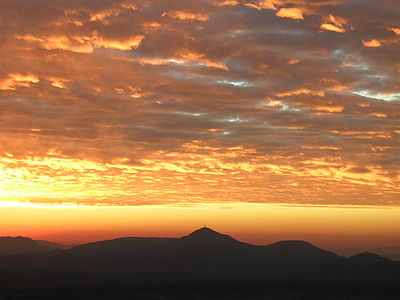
[[331, 27], [333, 23], [294, 61], [83, 44], [15, 80], [227, 3], [301, 92], [372, 44], [177, 102], [130, 43], [181, 15], [331, 109], [58, 82], [395, 30], [291, 13], [263, 4]]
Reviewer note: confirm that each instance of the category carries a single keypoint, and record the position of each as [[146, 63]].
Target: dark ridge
[[52, 245], [116, 247], [206, 233], [293, 243], [16, 238], [207, 238], [122, 241], [371, 266], [17, 245], [300, 251], [204, 253], [369, 258]]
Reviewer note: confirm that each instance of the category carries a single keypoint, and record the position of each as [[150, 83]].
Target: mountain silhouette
[[15, 245], [366, 264], [208, 235], [205, 253], [18, 245], [206, 240], [392, 253], [368, 258], [52, 245], [300, 251]]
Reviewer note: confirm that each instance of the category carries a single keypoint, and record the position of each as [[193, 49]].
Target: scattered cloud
[[291, 13], [263, 4], [181, 15], [15, 80], [395, 30], [333, 23], [372, 44], [175, 102], [83, 44], [294, 61], [301, 92]]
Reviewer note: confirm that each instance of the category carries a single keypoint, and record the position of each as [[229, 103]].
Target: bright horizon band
[[331, 228]]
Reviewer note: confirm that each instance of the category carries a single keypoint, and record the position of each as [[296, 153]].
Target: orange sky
[[254, 223], [156, 105]]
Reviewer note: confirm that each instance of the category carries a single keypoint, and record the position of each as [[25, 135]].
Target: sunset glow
[[267, 119], [331, 228]]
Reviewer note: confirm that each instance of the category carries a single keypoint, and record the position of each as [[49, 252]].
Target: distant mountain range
[[204, 253], [392, 253], [18, 245]]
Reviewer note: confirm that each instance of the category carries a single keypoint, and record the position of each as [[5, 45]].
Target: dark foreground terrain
[[202, 265], [60, 285]]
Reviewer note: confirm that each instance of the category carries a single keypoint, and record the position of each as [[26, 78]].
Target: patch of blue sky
[[378, 96], [236, 83], [189, 114]]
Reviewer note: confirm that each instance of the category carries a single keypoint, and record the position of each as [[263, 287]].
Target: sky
[[166, 109]]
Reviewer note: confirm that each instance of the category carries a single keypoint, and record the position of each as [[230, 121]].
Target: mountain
[[392, 253], [52, 245], [204, 264], [18, 245], [367, 258], [205, 253], [207, 236], [364, 265], [300, 251]]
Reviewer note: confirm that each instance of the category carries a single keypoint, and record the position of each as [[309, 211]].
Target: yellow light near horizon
[[203, 173], [255, 223], [17, 204]]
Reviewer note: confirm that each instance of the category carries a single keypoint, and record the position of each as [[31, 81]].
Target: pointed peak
[[206, 234], [205, 231]]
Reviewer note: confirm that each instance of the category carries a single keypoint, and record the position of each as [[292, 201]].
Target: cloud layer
[[176, 102]]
